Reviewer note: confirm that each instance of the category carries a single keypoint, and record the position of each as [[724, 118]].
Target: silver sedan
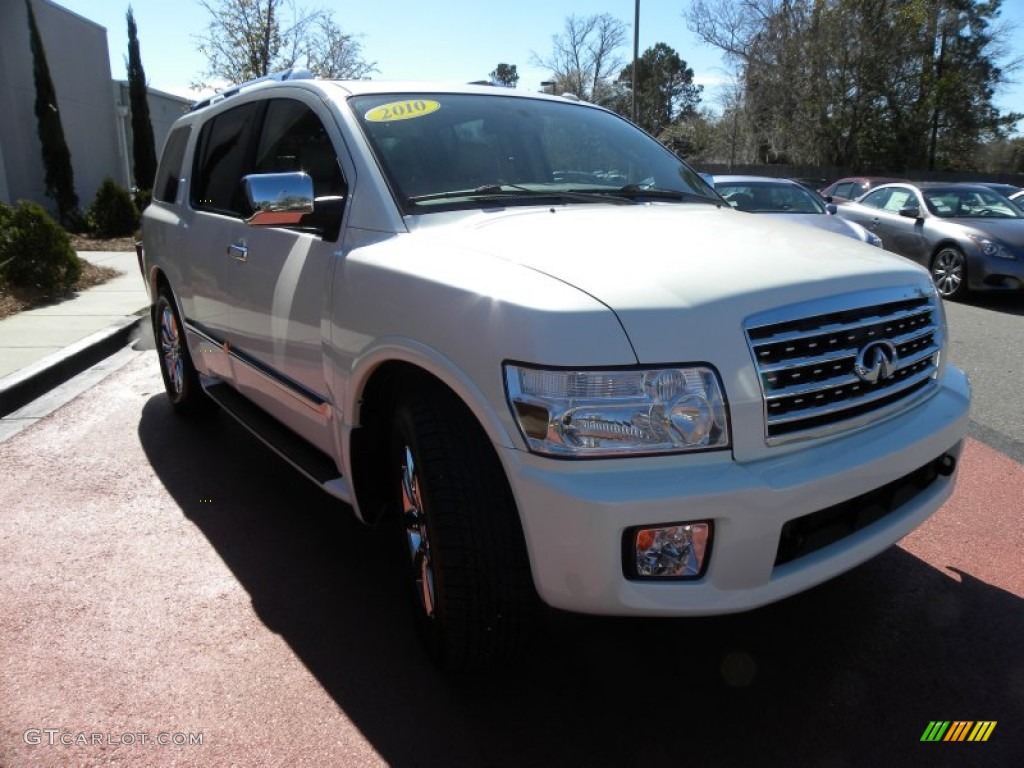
[[789, 200], [969, 236]]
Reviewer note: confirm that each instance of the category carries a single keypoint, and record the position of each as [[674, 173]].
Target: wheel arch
[[370, 403]]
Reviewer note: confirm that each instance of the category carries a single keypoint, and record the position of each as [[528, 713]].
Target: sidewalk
[[43, 347]]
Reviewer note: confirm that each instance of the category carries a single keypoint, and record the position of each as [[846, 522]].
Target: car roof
[[303, 79], [965, 185], [876, 179], [742, 179]]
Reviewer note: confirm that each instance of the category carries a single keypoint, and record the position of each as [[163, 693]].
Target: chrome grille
[[822, 373]]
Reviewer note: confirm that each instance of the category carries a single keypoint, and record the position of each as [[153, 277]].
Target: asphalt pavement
[[263, 637]]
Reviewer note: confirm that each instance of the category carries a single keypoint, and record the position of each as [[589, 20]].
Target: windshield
[[769, 197], [952, 203], [448, 151]]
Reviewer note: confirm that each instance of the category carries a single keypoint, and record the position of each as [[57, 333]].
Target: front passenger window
[[294, 139]]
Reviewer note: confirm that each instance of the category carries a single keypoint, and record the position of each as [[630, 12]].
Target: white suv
[[521, 331]]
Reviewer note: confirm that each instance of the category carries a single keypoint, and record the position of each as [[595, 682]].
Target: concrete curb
[[38, 378]]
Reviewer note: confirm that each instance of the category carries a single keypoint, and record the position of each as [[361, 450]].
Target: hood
[[649, 262]]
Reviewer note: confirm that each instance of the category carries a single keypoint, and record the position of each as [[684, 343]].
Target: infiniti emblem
[[876, 362]]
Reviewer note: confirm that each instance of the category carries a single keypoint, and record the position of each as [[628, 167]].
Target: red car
[[853, 187]]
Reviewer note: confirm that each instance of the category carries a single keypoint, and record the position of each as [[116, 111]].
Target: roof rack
[[293, 73]]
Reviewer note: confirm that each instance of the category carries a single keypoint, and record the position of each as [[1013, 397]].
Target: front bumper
[[988, 273], [574, 513]]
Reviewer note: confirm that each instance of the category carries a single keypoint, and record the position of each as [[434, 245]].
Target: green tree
[[247, 39], [666, 92], [505, 74], [890, 84], [59, 176], [143, 143]]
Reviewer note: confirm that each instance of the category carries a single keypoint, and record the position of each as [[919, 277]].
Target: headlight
[[618, 412], [991, 247]]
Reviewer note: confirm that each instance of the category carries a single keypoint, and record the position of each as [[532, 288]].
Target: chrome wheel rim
[[417, 540], [170, 348], [948, 272]]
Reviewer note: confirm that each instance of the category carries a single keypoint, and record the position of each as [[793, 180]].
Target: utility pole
[[636, 56]]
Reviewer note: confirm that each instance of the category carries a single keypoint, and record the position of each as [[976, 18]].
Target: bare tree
[[583, 59], [246, 39], [335, 54]]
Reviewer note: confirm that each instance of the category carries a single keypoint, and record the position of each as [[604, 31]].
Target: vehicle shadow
[[850, 673]]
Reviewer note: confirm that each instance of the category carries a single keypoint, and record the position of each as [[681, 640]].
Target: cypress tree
[[143, 144], [60, 176]]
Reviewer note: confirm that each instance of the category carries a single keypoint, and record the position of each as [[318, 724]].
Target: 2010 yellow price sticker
[[401, 110]]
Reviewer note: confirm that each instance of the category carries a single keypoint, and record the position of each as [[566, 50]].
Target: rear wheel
[[461, 540], [949, 272], [181, 382]]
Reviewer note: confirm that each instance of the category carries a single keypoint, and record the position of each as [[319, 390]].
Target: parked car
[[1006, 190], [970, 237], [853, 187], [522, 334], [788, 200]]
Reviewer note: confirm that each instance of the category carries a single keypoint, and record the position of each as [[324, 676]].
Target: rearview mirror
[[911, 212]]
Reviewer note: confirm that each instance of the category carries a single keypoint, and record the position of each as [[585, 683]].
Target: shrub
[[112, 213], [142, 198], [35, 251]]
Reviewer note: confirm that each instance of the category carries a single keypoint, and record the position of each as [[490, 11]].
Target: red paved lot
[[167, 578]]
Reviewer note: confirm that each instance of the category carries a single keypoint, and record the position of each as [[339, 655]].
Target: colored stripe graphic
[[958, 730], [982, 730]]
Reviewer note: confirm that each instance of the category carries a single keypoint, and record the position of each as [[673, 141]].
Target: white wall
[[76, 51]]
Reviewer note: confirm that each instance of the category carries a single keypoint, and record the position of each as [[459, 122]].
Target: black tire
[[949, 273], [460, 535], [181, 382]]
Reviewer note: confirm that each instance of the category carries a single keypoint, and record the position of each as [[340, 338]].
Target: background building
[[94, 109]]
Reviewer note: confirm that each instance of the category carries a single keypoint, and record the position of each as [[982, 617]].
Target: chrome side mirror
[[278, 199]]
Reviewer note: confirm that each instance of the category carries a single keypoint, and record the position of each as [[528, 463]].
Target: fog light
[[677, 551]]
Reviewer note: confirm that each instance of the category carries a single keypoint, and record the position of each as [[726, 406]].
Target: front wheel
[[949, 273], [460, 536], [181, 382]]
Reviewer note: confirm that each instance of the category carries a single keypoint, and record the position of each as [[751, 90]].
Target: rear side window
[[168, 176], [223, 157]]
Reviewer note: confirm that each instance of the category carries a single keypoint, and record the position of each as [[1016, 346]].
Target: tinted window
[[969, 204], [767, 197], [439, 150], [165, 187], [294, 139], [223, 158]]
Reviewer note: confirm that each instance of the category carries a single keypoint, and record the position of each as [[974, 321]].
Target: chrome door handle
[[238, 251]]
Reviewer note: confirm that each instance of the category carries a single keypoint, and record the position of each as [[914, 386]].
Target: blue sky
[[438, 40]]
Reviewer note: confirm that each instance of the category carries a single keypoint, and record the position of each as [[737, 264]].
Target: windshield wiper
[[514, 190], [658, 193]]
